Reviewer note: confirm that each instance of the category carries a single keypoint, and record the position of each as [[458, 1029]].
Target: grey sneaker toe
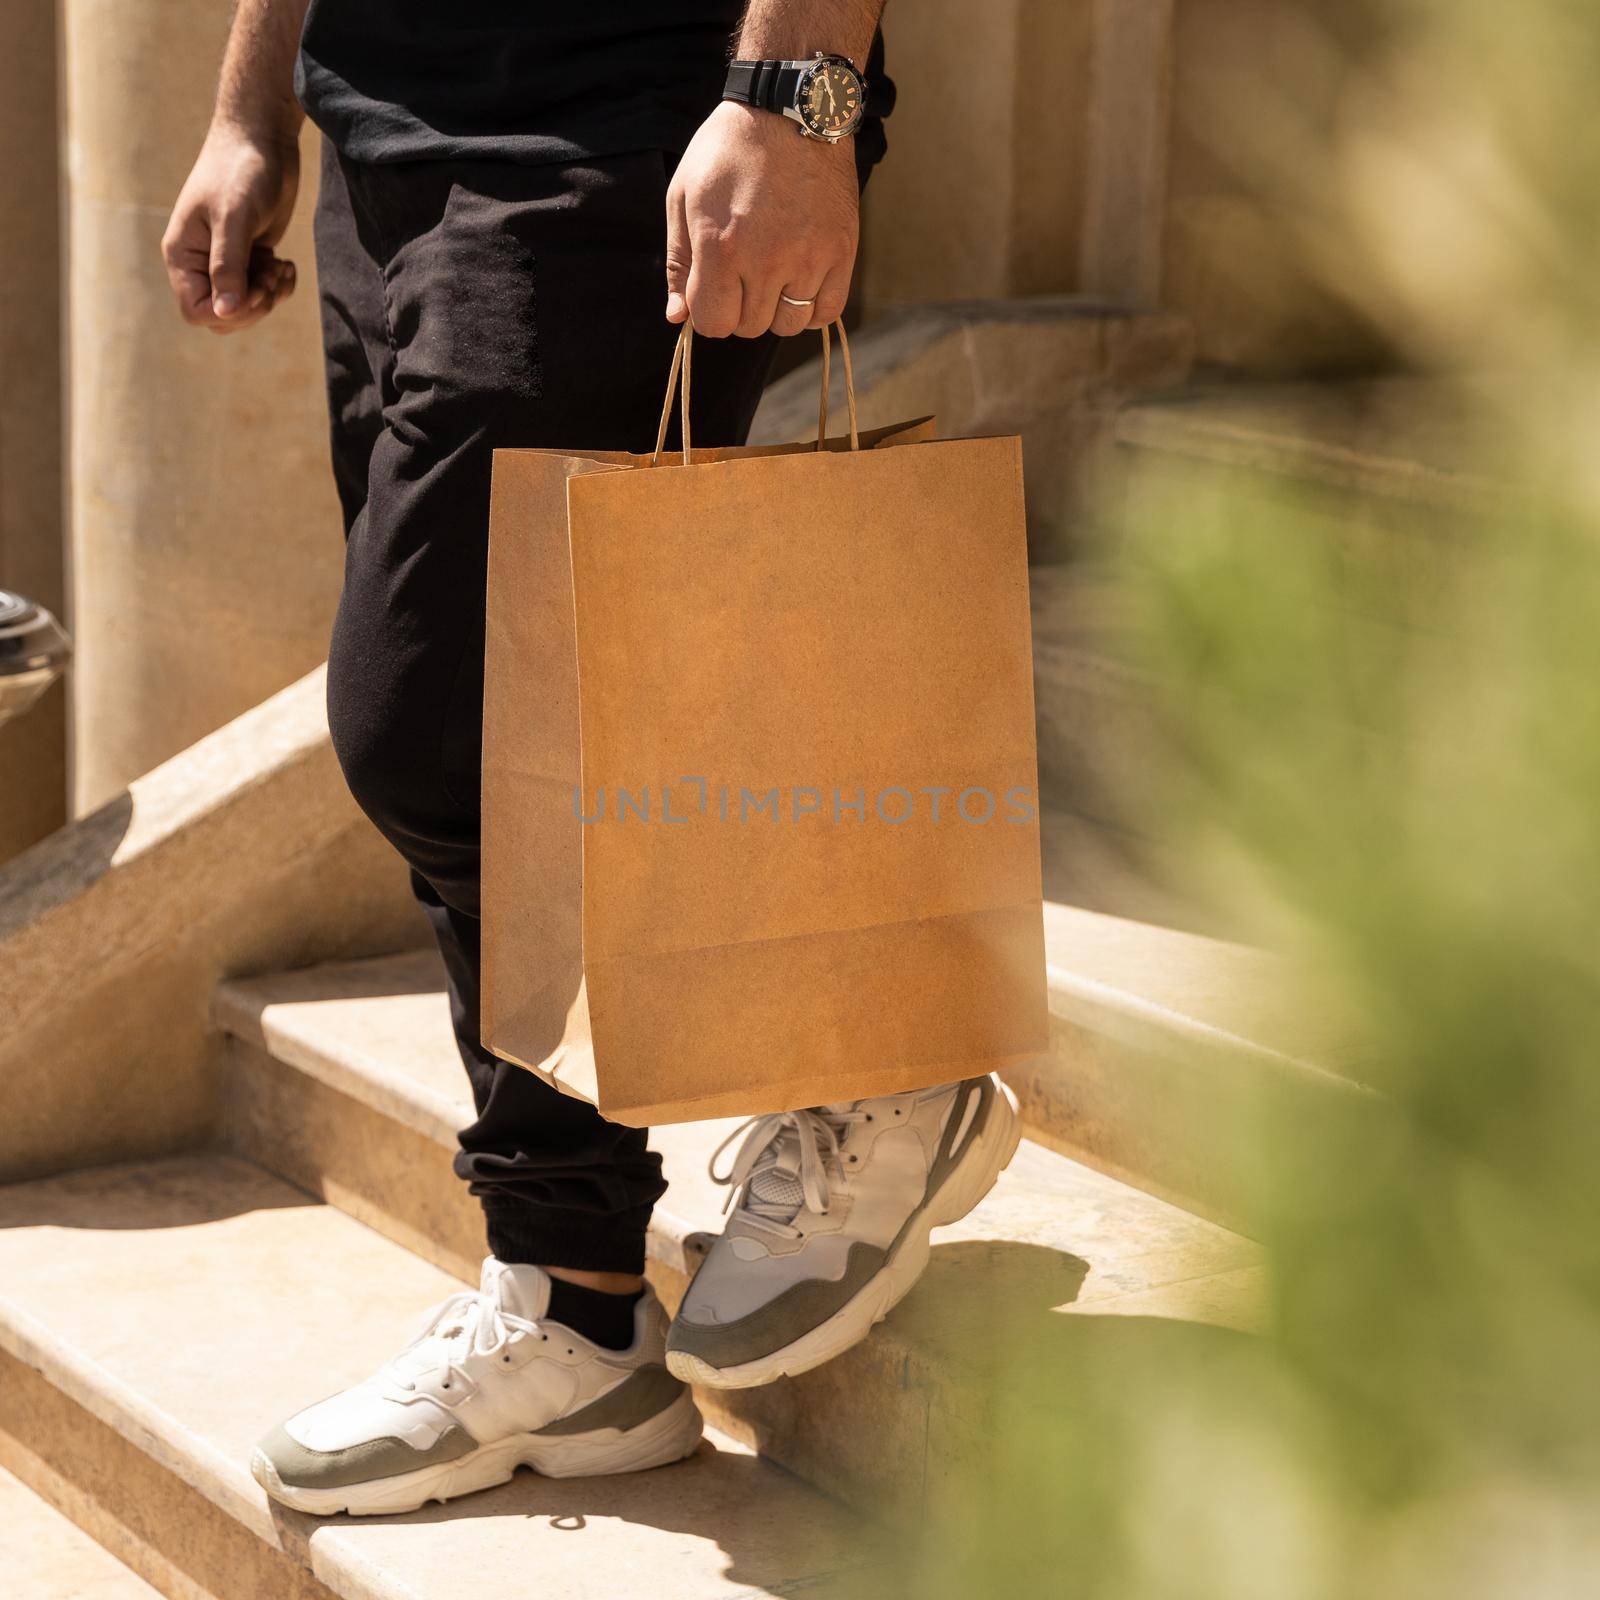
[[295, 1466], [783, 1319]]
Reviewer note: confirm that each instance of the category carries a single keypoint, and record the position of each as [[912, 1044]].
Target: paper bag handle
[[682, 367]]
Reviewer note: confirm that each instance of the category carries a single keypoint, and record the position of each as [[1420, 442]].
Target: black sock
[[605, 1319]]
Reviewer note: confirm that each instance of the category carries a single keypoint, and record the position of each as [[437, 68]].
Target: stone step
[[1179, 1062], [1052, 369], [1105, 845], [1381, 476], [157, 1318], [1099, 866], [1378, 472], [344, 1079], [44, 1555], [1402, 439], [1092, 708], [1174, 1056]]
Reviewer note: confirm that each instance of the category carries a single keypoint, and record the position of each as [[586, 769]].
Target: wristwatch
[[825, 95]]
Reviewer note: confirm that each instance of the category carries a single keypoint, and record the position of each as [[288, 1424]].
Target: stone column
[[1261, 106], [205, 540], [1125, 200], [983, 193], [1138, 152], [936, 222], [33, 785]]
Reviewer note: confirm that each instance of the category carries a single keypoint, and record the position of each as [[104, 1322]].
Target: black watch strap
[[769, 85]]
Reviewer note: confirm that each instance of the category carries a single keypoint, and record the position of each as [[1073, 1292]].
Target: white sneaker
[[485, 1387], [831, 1231]]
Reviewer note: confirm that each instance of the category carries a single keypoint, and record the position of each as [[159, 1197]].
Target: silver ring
[[789, 300]]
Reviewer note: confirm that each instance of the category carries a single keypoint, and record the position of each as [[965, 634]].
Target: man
[[518, 202]]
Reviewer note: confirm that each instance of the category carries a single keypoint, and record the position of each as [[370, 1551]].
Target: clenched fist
[[218, 246], [756, 211]]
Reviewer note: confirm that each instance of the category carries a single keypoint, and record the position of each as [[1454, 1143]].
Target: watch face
[[830, 99]]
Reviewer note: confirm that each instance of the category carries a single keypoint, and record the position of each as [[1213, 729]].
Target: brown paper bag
[[759, 781]]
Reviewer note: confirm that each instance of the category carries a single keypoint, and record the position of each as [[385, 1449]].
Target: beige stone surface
[[948, 215], [45, 1557], [33, 755], [1129, 113], [334, 1023], [205, 535], [33, 795], [1052, 369], [1054, 1241], [376, 1030], [937, 219], [1102, 867], [1054, 1237], [1236, 1299], [243, 854], [1177, 1063], [1133, 149], [279, 1301], [1093, 708], [148, 1516], [1259, 122], [361, 1155], [1380, 478], [1182, 1062], [1100, 836], [1409, 439], [1136, 980]]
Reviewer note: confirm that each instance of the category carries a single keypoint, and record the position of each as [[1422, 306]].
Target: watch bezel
[[802, 89]]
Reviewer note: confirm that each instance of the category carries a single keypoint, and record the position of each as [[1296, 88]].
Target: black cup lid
[[30, 638]]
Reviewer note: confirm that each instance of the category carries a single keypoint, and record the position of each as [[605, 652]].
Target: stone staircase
[[46, 1556], [1094, 719], [1381, 478], [1390, 444], [157, 1312], [1380, 471], [156, 1316], [363, 1052]]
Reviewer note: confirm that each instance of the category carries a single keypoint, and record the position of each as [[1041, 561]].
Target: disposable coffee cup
[[34, 651]]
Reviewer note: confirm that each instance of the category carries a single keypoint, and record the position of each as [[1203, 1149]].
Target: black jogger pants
[[467, 306]]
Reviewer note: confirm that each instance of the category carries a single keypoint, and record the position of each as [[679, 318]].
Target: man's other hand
[[756, 211], [218, 247]]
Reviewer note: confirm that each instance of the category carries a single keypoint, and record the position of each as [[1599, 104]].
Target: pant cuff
[[546, 1237]]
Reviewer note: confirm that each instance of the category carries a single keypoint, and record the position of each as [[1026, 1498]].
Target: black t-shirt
[[522, 80]]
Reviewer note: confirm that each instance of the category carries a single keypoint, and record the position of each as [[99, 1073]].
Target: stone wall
[[206, 548], [1261, 92], [1041, 147], [981, 195], [1130, 149], [244, 854]]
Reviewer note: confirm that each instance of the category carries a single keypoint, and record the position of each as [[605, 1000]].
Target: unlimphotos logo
[[691, 797]]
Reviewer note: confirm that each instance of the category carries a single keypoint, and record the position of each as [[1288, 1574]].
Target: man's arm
[[236, 203], [755, 210]]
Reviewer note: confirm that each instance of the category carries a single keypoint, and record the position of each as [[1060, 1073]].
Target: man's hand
[[755, 211], [218, 247]]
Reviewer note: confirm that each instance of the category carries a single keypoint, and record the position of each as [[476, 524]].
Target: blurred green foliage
[[1380, 745]]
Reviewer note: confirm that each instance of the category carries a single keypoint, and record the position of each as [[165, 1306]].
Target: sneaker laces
[[788, 1159], [467, 1323]]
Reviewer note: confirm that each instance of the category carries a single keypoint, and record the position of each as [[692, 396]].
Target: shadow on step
[[64, 865], [974, 1286], [995, 1340], [990, 1321], [175, 1192], [766, 1532]]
